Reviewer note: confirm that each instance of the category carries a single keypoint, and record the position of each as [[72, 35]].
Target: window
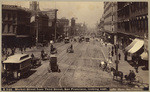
[[9, 16], [3, 27], [14, 29], [8, 28]]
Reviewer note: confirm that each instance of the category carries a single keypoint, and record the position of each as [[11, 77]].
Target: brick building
[[133, 29], [62, 27], [15, 26], [110, 19], [126, 25], [39, 27]]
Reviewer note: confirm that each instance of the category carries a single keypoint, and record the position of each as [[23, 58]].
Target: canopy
[[135, 46], [144, 56]]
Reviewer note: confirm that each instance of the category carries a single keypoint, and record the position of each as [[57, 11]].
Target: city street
[[75, 46], [78, 69]]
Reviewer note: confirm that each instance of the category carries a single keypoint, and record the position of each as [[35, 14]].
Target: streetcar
[[66, 40], [53, 66], [16, 65]]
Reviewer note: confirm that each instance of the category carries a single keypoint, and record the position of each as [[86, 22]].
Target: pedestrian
[[106, 44], [125, 57], [32, 55], [12, 51], [112, 48], [21, 50], [119, 56], [51, 48], [24, 48], [136, 66], [112, 53], [42, 54]]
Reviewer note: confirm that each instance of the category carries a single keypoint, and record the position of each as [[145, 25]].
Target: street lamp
[[37, 29], [55, 23]]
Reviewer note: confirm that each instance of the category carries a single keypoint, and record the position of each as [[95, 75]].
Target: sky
[[88, 12]]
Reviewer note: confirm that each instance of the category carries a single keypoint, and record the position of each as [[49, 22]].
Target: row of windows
[[9, 16], [122, 4], [133, 7], [108, 15], [106, 9], [138, 6], [124, 12], [8, 28], [135, 24], [105, 3]]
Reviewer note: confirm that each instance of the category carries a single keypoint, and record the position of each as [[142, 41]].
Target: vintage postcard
[[74, 46]]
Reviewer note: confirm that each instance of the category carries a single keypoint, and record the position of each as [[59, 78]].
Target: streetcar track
[[58, 62], [68, 68]]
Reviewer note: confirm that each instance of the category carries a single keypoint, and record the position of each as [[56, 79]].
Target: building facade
[[132, 21], [62, 27], [52, 15], [110, 19], [125, 25], [15, 26], [133, 29], [39, 24]]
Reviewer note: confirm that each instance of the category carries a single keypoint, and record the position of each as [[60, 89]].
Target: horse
[[117, 73]]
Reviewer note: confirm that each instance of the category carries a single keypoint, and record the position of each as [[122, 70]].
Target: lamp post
[[55, 23], [37, 29], [116, 52]]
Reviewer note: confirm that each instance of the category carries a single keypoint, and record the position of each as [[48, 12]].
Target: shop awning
[[144, 56], [135, 46]]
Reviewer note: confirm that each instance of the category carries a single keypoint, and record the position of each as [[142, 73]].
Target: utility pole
[[37, 29], [55, 23]]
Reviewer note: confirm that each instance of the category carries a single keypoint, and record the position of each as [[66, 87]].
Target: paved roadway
[[78, 69]]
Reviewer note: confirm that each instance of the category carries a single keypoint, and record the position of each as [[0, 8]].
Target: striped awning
[[135, 46]]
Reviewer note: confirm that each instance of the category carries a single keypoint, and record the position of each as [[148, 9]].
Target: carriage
[[137, 80], [106, 65], [127, 79]]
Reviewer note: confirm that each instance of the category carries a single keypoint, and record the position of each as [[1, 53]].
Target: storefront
[[135, 49]]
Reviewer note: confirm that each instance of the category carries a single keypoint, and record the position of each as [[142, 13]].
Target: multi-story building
[[133, 28], [62, 27], [80, 29], [15, 26], [39, 27], [72, 28], [52, 15], [126, 23], [110, 19], [101, 28]]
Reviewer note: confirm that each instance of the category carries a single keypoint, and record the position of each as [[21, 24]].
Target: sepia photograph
[[74, 46]]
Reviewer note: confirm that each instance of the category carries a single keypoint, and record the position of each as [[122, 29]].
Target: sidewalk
[[32, 50], [123, 65]]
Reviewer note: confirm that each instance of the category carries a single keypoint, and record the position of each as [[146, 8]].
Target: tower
[[34, 5]]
